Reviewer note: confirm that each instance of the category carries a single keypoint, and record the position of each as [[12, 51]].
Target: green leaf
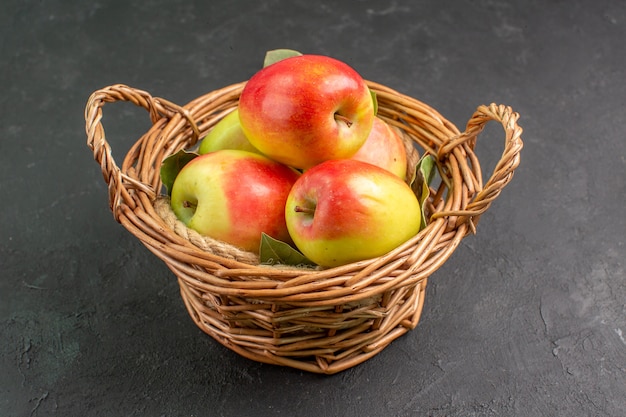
[[276, 55], [424, 173], [172, 165], [273, 251], [374, 100]]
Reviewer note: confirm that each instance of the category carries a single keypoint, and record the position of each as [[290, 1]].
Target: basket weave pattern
[[317, 320]]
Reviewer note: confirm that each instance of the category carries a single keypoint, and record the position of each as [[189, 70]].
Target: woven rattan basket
[[322, 321]]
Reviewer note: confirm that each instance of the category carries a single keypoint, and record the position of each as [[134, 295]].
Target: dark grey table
[[528, 317]]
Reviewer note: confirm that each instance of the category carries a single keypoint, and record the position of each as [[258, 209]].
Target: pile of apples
[[305, 160]]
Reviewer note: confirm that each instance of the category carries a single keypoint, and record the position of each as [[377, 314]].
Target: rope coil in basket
[[317, 320]]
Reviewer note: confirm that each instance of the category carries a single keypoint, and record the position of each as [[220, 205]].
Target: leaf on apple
[[273, 251], [276, 55], [424, 173], [172, 165], [375, 101]]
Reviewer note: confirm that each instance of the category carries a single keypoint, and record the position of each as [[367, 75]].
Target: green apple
[[234, 196], [306, 109], [384, 148], [343, 211], [226, 134]]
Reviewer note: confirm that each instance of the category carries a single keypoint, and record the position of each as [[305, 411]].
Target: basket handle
[[118, 182], [504, 169]]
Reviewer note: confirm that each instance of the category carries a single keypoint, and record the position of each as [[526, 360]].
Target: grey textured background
[[528, 317]]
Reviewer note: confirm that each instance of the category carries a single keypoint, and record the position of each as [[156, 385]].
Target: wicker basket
[[322, 321]]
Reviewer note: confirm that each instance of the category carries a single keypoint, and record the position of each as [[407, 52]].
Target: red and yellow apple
[[384, 148], [234, 196], [226, 134], [343, 211], [306, 109]]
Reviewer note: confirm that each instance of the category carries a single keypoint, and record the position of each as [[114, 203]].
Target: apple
[[384, 148], [343, 211], [234, 196], [306, 109], [226, 134]]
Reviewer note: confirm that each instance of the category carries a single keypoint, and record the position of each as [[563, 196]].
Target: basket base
[[318, 340]]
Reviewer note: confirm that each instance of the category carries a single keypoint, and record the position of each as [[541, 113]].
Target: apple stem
[[300, 209], [344, 119], [189, 204]]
